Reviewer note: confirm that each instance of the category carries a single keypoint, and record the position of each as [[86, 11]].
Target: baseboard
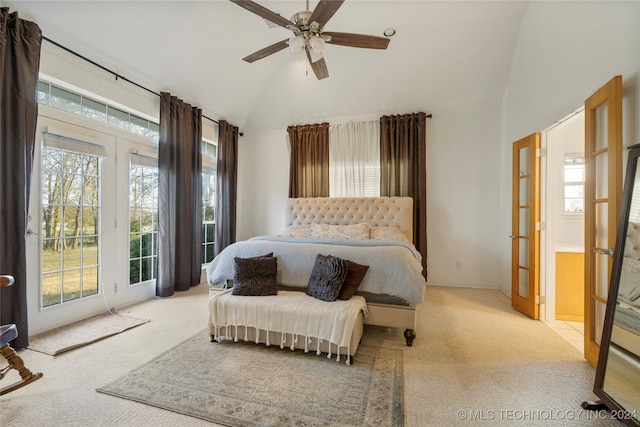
[[459, 285]]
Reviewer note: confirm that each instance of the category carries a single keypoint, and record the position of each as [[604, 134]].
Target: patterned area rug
[[81, 333], [246, 384]]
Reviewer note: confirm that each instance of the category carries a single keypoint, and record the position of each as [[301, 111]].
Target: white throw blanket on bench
[[290, 312]]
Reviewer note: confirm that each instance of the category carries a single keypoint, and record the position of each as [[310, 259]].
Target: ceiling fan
[[308, 33]]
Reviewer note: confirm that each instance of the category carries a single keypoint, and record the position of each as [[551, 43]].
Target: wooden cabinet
[[570, 286]]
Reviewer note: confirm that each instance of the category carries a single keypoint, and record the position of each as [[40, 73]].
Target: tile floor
[[573, 332]]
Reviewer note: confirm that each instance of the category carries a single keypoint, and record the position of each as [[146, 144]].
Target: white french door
[[79, 240]]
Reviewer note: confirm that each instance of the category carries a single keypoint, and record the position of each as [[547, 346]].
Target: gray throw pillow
[[327, 277], [255, 276]]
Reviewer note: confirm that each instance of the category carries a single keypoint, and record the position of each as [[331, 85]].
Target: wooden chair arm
[[6, 280]]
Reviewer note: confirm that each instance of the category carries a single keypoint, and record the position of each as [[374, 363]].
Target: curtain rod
[[118, 76]]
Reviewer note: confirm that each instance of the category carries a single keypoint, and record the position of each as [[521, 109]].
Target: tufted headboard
[[376, 211]]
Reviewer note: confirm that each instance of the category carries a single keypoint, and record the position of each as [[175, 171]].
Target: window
[[209, 157], [143, 218], [71, 179], [354, 159], [143, 179], [80, 105], [208, 216], [574, 183]]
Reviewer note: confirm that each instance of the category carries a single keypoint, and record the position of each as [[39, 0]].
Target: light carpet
[[244, 384], [81, 333]]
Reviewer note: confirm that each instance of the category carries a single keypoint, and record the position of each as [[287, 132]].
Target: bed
[[626, 326], [373, 231]]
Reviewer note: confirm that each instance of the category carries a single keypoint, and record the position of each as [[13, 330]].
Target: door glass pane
[[602, 217], [71, 285], [602, 171], [524, 161], [523, 283], [602, 275], [524, 222], [143, 219], [524, 191], [601, 127], [599, 320], [70, 237], [90, 251], [524, 252], [90, 281], [71, 256], [51, 288]]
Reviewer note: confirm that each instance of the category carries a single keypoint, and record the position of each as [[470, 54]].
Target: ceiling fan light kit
[[308, 33]]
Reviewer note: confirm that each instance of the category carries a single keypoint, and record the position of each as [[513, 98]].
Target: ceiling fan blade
[[319, 67], [324, 11], [263, 12], [357, 40], [276, 47]]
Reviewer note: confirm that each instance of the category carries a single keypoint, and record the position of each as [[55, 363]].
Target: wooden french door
[[603, 194], [525, 220]]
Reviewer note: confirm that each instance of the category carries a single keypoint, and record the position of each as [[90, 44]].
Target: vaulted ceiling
[[446, 56]]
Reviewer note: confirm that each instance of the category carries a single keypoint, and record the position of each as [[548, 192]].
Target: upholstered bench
[[289, 319]]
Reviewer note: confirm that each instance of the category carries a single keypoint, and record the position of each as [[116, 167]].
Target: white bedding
[[629, 285], [295, 314], [394, 267]]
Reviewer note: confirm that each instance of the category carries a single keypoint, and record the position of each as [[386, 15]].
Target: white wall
[[263, 182], [565, 52], [71, 72], [462, 173], [566, 137], [462, 186]]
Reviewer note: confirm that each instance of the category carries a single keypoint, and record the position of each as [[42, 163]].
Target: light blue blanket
[[395, 267]]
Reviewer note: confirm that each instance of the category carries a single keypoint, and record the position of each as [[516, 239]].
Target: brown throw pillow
[[327, 277], [255, 276], [355, 274]]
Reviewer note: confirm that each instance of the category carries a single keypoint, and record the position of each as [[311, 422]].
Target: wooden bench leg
[[409, 335]]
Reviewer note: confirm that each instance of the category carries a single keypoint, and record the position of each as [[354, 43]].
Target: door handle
[[513, 237], [609, 252]]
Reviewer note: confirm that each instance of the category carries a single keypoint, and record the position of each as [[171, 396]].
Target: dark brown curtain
[[20, 44], [403, 169], [226, 186], [309, 166], [179, 196]]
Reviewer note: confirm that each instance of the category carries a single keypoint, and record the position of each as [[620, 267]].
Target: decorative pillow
[[387, 233], [255, 276], [327, 277], [354, 231], [355, 274], [297, 231]]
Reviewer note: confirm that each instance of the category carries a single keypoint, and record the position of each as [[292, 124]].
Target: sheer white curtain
[[354, 159]]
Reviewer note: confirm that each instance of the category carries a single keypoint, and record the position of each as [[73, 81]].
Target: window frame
[[577, 163]]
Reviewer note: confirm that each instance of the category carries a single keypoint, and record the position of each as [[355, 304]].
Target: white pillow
[[387, 233], [354, 231], [297, 231]]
